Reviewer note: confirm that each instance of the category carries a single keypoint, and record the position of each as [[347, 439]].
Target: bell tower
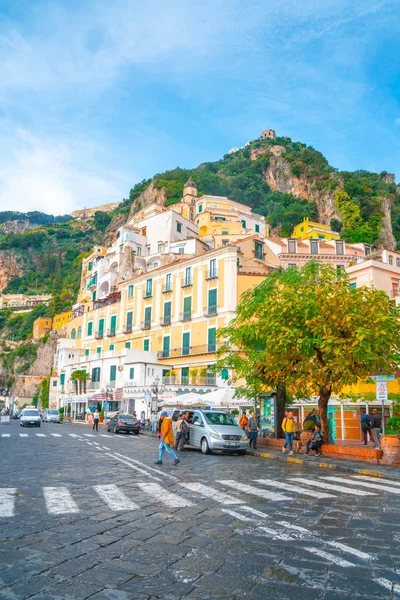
[[189, 192]]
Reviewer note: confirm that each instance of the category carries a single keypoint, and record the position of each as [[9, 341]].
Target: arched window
[[224, 374], [73, 334], [79, 332]]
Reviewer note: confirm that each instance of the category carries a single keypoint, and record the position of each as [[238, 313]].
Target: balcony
[[111, 332], [145, 325], [92, 282], [110, 299], [93, 385], [210, 311], [188, 282], [190, 351], [212, 274], [209, 380], [186, 316], [167, 289], [165, 320], [99, 334], [128, 328], [147, 294]]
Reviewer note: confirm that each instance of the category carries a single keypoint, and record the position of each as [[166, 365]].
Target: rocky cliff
[[151, 195], [10, 266], [17, 226]]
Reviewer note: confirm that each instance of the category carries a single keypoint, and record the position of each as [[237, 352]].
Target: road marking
[[350, 550], [75, 435], [59, 501], [23, 435], [96, 443], [56, 434], [5, 435], [374, 486], [89, 443], [115, 498], [336, 488], [89, 435], [293, 488], [146, 468], [41, 435], [7, 502], [374, 480], [393, 587], [330, 557], [106, 448], [248, 489], [210, 492], [134, 467], [104, 435], [280, 536], [164, 496], [98, 448], [237, 515]]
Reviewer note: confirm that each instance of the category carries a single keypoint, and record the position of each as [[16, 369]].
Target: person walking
[[376, 423], [252, 428], [317, 439], [153, 422], [166, 439], [243, 421], [331, 428], [365, 422], [96, 419], [289, 428]]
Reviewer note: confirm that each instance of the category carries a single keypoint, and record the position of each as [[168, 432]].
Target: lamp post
[[157, 389]]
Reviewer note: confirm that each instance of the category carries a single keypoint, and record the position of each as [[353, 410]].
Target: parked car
[[126, 423], [213, 430], [51, 416], [30, 416]]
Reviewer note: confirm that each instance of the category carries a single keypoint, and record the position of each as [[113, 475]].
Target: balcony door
[[166, 346], [212, 345], [186, 344]]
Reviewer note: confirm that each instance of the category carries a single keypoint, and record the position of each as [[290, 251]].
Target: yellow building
[[61, 319], [41, 326], [310, 230]]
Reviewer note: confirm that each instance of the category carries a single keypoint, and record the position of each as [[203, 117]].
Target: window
[[187, 308], [220, 219], [147, 316], [94, 296], [258, 250], [225, 242], [367, 250], [127, 345], [200, 208], [292, 265], [79, 332], [188, 276], [212, 346], [132, 373], [149, 288], [90, 328], [111, 347], [340, 267], [98, 350], [87, 352], [225, 232], [257, 228], [212, 301], [96, 374], [168, 287], [339, 247], [397, 262], [62, 379], [390, 259], [224, 374], [139, 250], [130, 291], [186, 343], [184, 375], [167, 313], [113, 324], [101, 327], [160, 248], [54, 383], [146, 345], [113, 372], [352, 286], [73, 334], [213, 268], [179, 227], [292, 246], [90, 266], [166, 346], [181, 250], [243, 224], [314, 247], [129, 319], [302, 229]]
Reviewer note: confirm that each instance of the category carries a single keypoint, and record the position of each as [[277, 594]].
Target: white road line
[[89, 443], [393, 587], [115, 498], [96, 443], [104, 435], [164, 496], [56, 434], [376, 479], [293, 488], [237, 515], [134, 467], [374, 486], [350, 550], [280, 536], [210, 492], [41, 435], [98, 448], [75, 435], [330, 557], [23, 435], [146, 468], [105, 448], [59, 501], [7, 502], [248, 489], [5, 435], [335, 488], [89, 435]]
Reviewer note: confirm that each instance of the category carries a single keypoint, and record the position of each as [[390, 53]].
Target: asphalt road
[[89, 515]]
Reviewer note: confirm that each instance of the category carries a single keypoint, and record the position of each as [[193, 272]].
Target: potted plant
[[172, 375], [193, 373], [203, 374], [390, 443]]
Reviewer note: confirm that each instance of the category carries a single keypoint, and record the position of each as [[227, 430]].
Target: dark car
[[126, 423]]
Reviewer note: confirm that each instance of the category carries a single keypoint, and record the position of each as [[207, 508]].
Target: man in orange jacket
[[167, 439]]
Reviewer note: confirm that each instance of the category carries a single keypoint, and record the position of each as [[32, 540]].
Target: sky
[[96, 96]]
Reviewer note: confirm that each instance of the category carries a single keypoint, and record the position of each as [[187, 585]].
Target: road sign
[[382, 377], [381, 391]]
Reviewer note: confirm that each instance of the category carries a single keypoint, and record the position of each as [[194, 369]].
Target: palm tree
[[80, 377]]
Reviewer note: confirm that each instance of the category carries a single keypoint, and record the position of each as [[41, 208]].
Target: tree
[[101, 220], [309, 330], [80, 377]]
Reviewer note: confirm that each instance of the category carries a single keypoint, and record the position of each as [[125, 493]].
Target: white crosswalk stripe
[[41, 435], [254, 491], [23, 435], [59, 501], [210, 492], [334, 488], [56, 434], [5, 435], [292, 488], [89, 435], [7, 502], [336, 560], [376, 479], [374, 486], [115, 498], [164, 496]]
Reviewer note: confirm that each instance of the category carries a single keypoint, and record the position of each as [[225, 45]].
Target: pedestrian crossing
[[60, 500], [66, 435]]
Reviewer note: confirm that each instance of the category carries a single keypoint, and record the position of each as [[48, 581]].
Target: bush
[[393, 426], [308, 425]]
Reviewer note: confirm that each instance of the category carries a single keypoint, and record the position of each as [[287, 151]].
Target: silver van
[[213, 430]]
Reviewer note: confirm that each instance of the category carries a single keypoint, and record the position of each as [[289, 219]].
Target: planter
[[390, 445], [305, 437]]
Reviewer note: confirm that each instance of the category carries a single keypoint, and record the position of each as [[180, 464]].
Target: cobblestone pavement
[[89, 515]]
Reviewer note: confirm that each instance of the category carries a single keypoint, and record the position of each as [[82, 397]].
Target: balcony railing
[[128, 328], [186, 316], [148, 294], [110, 299], [209, 380], [188, 282], [190, 350], [99, 334], [111, 332], [145, 325], [210, 311], [167, 289], [93, 385], [212, 274], [165, 320], [164, 353]]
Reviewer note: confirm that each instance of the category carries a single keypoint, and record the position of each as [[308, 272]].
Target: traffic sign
[[382, 377], [381, 391]]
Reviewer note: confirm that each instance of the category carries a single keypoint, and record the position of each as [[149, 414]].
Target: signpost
[[382, 396]]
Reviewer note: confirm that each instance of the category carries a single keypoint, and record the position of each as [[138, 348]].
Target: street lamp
[[157, 389]]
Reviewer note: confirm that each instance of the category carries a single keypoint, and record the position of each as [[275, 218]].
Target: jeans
[[367, 432], [289, 440], [331, 438], [95, 424], [163, 446], [154, 427], [253, 438], [313, 446], [375, 434]]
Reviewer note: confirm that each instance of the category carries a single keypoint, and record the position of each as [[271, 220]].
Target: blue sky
[[95, 96]]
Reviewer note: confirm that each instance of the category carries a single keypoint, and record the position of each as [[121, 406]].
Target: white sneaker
[[291, 453], [283, 450]]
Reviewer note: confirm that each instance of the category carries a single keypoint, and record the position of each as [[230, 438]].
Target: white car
[[51, 416], [30, 416]]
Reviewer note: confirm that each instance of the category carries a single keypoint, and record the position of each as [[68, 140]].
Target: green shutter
[[147, 314], [101, 326], [184, 375], [166, 346], [62, 379], [187, 307], [129, 319], [212, 339], [90, 328], [146, 345], [113, 324], [87, 352], [127, 344], [212, 300], [167, 309], [111, 347], [132, 373], [185, 344], [113, 372]]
